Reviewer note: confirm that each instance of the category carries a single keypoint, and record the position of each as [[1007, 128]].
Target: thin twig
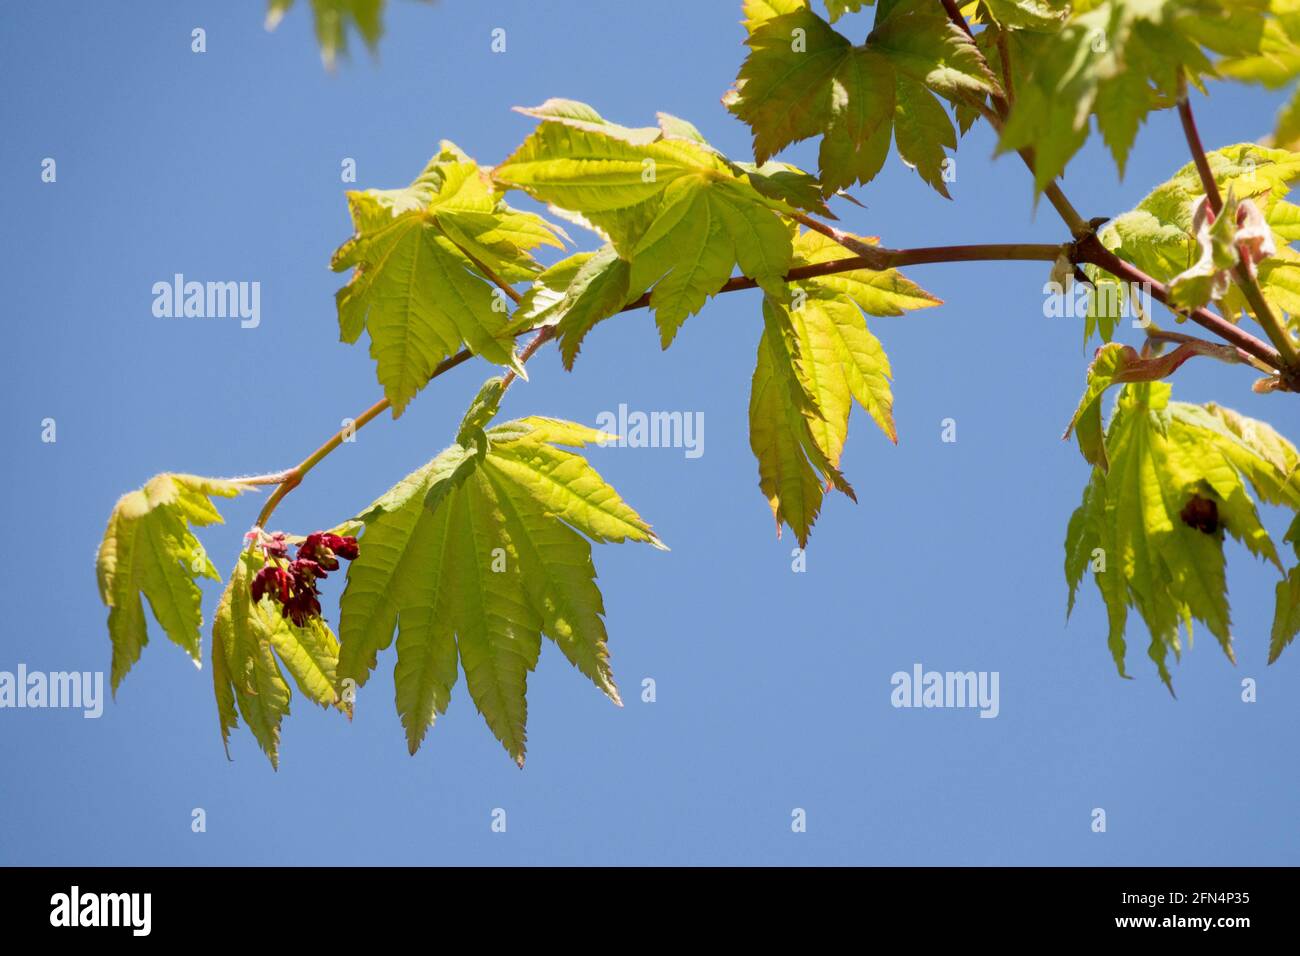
[[1226, 353], [543, 336]]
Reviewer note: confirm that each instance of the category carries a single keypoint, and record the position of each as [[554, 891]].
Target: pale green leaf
[[149, 552], [334, 20], [249, 643], [1117, 59], [803, 79], [679, 214], [472, 559], [426, 260], [1177, 484], [241, 633], [796, 440]]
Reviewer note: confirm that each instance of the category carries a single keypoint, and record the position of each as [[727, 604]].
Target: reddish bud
[[1201, 514]]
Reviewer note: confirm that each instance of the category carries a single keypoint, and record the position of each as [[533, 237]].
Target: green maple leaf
[[427, 259], [1152, 526], [1286, 615], [787, 184], [250, 641], [679, 213], [575, 294], [1021, 38], [1115, 364], [1118, 60], [149, 551], [474, 557], [802, 79], [1107, 366], [334, 20], [1274, 64], [784, 429], [817, 357], [1157, 235]]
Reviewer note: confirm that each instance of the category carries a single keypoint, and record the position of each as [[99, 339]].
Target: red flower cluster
[[294, 586]]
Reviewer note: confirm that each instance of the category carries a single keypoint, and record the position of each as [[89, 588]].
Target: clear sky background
[[773, 687]]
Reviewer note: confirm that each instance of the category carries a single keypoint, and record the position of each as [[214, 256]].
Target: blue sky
[[773, 688]]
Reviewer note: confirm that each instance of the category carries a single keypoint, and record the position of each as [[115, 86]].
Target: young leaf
[[1086, 422], [334, 19], [675, 210], [885, 292], [1119, 59], [473, 558], [1160, 238], [599, 289], [1286, 615], [798, 442], [148, 549], [1153, 525], [1275, 63], [427, 259], [815, 358], [247, 639], [802, 79]]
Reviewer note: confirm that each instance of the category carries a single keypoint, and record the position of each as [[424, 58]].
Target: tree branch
[[874, 258], [1091, 250], [1088, 248]]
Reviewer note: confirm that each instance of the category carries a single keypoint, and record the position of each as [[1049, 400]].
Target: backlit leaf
[[149, 552], [472, 559], [250, 641], [425, 258], [1178, 481], [678, 213], [803, 79]]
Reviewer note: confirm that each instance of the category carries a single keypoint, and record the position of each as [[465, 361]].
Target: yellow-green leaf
[[427, 261], [1152, 527], [472, 559], [149, 552]]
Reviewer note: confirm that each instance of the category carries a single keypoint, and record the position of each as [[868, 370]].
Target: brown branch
[[1088, 247], [543, 336], [954, 14], [1091, 250], [1199, 158], [876, 258], [1227, 353]]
